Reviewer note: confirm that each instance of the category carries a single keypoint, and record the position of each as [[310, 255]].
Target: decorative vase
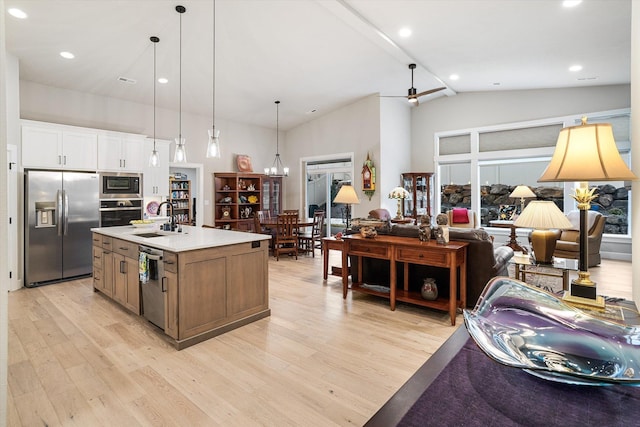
[[429, 289], [424, 232]]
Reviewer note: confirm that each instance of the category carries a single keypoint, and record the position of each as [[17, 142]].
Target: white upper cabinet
[[156, 179], [57, 147], [123, 153]]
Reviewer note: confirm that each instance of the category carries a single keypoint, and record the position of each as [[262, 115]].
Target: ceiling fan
[[412, 93]]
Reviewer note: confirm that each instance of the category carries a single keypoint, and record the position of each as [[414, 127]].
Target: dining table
[[272, 223]]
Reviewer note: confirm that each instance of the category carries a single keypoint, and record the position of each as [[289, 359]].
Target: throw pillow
[[460, 216]]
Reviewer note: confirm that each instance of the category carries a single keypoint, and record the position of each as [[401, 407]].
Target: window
[[478, 169]]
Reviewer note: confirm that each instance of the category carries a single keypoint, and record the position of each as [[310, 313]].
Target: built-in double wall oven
[[120, 198]]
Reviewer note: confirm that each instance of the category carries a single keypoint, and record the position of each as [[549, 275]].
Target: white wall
[[353, 128], [395, 148], [4, 295], [50, 104]]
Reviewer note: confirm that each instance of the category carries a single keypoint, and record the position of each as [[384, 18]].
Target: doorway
[[194, 172], [324, 177]]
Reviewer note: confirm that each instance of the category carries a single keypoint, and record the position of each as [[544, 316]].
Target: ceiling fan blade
[[394, 96], [430, 91]]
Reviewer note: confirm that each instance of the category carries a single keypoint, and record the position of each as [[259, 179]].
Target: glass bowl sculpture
[[525, 327]]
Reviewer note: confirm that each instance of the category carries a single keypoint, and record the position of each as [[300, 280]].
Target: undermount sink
[[146, 235]]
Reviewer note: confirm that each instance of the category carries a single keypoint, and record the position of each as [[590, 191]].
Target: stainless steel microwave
[[116, 185]]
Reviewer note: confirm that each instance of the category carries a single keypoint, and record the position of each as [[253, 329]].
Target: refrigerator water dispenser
[[45, 214]]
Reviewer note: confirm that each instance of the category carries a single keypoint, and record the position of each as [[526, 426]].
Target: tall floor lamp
[[347, 195], [586, 152]]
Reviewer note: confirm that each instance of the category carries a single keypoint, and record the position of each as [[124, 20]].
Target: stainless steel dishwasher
[[152, 286]]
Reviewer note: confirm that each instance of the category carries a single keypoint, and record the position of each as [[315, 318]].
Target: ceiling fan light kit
[[412, 93]]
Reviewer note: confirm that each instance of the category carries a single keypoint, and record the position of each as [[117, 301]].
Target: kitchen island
[[211, 280]]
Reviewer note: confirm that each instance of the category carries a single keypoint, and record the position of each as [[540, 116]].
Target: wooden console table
[[411, 251]]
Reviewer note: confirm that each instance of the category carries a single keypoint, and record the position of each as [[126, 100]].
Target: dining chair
[[291, 212], [286, 236], [312, 240]]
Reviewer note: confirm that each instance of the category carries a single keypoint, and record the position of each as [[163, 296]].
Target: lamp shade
[[522, 191], [542, 214], [586, 152], [399, 193], [347, 194]]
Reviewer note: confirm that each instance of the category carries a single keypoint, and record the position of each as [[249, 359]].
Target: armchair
[[462, 218], [568, 245]]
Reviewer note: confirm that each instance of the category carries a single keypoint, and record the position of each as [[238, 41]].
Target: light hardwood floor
[[76, 358]]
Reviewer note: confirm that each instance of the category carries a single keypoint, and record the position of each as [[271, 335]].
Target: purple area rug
[[473, 390]]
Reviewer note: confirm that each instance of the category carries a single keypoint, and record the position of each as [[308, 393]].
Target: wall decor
[[244, 163], [368, 177]]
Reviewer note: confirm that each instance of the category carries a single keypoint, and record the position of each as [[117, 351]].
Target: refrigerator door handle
[[59, 209], [66, 212]]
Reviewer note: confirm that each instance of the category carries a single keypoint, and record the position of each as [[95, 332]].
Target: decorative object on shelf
[[557, 341], [180, 155], [368, 177], [244, 163], [226, 200], [522, 192], [429, 289], [545, 218], [368, 232], [442, 231], [243, 199], [400, 194], [154, 159], [252, 198], [226, 188], [226, 212], [246, 212], [277, 169], [251, 187], [586, 152], [347, 195], [213, 144]]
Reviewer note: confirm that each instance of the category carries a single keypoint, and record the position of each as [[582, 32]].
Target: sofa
[[483, 263]]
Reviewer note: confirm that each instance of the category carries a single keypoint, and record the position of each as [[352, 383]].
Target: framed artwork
[[507, 212], [244, 163]]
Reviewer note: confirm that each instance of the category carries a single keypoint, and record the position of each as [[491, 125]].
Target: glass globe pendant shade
[[154, 160], [180, 155], [213, 146]]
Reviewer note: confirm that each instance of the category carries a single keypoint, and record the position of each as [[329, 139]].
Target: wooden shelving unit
[[237, 197], [180, 197]]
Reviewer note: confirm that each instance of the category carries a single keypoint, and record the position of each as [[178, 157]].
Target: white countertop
[[191, 238]]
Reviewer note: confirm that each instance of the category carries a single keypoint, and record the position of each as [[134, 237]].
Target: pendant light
[[154, 160], [180, 155], [213, 146], [277, 169]]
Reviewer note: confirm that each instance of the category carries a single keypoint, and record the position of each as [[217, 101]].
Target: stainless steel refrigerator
[[60, 210]]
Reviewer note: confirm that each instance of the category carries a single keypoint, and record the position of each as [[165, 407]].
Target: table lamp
[[522, 192], [544, 217], [347, 195], [586, 152], [400, 194]]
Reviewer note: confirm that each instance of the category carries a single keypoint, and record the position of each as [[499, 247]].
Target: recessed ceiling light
[[404, 32], [17, 13], [163, 80], [571, 3], [575, 68], [454, 77], [67, 55]]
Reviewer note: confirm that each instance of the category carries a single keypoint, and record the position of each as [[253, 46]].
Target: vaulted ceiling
[[316, 55]]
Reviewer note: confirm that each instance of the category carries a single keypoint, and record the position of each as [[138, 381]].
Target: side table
[[525, 265], [329, 243], [513, 238]]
